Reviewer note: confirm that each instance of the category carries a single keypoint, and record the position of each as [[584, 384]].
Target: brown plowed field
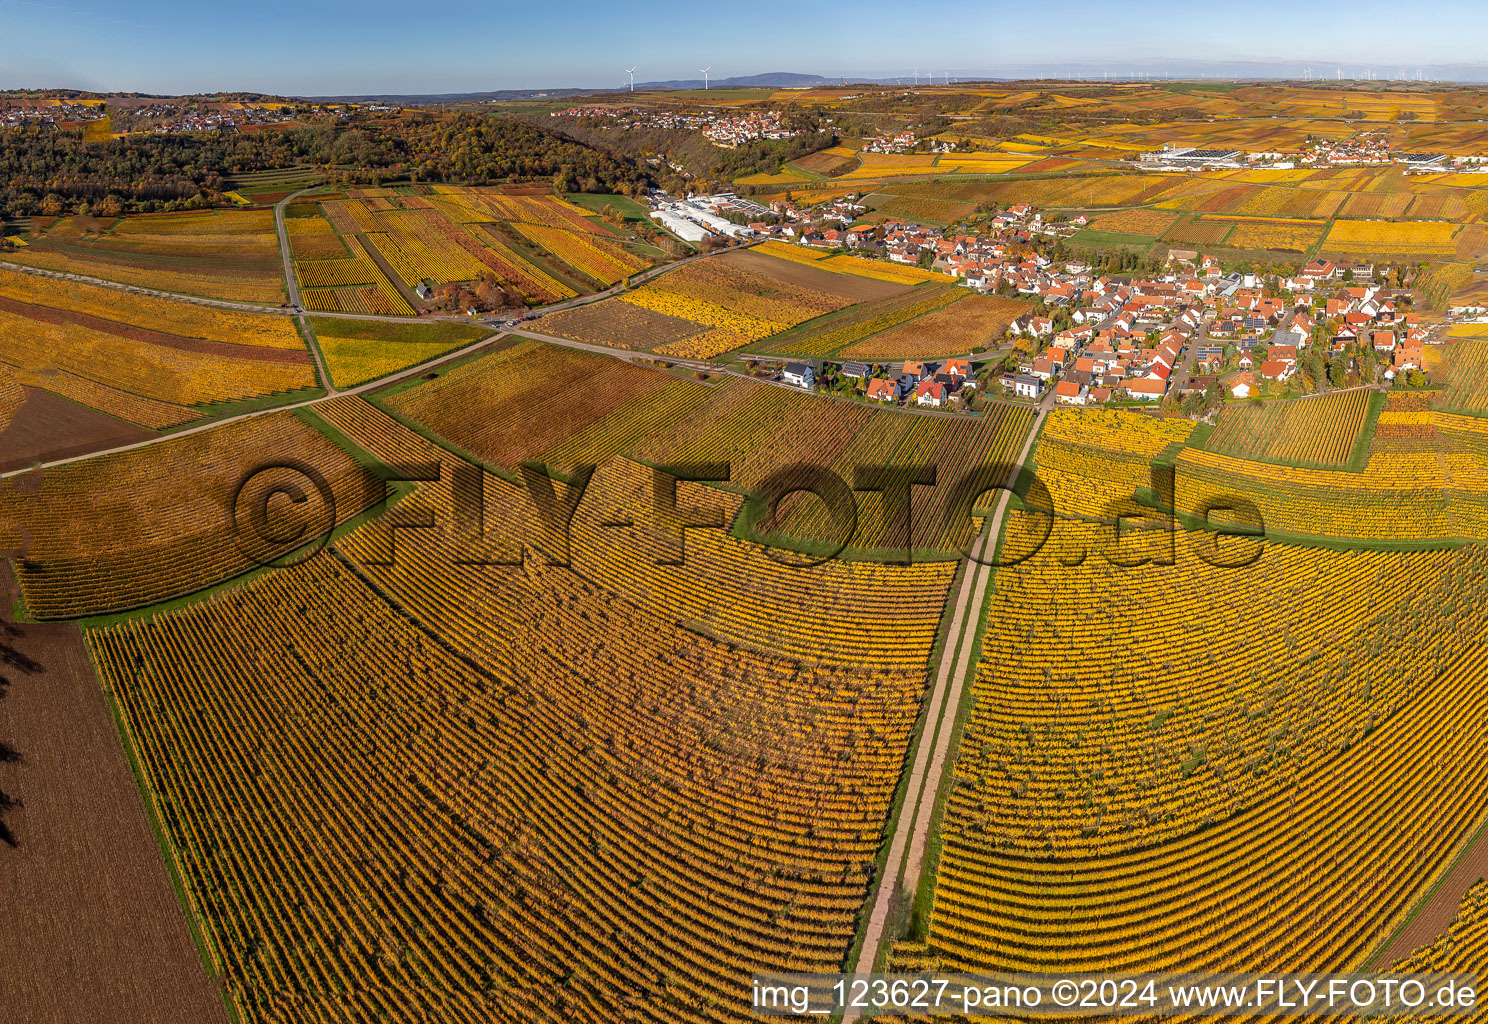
[[49, 427], [618, 324], [90, 928], [847, 286]]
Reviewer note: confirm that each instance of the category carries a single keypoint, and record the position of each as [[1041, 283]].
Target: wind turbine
[[917, 79], [631, 73], [705, 76]]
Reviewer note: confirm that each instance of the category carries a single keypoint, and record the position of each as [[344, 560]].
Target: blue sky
[[316, 48]]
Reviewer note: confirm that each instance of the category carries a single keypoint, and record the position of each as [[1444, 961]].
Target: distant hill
[[769, 80]]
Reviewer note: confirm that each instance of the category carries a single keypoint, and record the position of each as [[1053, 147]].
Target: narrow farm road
[[291, 283], [1431, 918], [630, 355], [912, 829], [321, 369], [295, 310], [102, 282], [294, 307]]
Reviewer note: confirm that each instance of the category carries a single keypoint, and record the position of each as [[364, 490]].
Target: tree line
[[51, 171]]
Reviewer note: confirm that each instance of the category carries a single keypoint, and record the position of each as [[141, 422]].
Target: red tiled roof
[[1146, 386]]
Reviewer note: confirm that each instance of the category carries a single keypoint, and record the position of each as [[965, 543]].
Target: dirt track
[[1431, 922], [90, 928]]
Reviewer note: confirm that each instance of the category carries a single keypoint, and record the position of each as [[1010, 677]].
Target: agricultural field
[[850, 266], [929, 211], [728, 302], [84, 882], [788, 176], [1442, 282], [1320, 431], [1094, 464], [1192, 231], [217, 254], [494, 409], [618, 324], [155, 362], [829, 335], [829, 162], [800, 801], [353, 284], [498, 407], [971, 324], [888, 165], [166, 520], [357, 351], [1293, 236], [45, 426], [954, 447], [1136, 222], [1058, 192], [1170, 770], [12, 397], [1466, 360], [1399, 496], [1386, 238], [368, 251]]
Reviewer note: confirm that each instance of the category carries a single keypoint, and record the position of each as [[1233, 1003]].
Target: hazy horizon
[[167, 47]]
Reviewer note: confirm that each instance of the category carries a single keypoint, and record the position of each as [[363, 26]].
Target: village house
[[1241, 384], [1068, 392], [1146, 388], [1410, 356], [801, 375], [930, 393], [1023, 385]]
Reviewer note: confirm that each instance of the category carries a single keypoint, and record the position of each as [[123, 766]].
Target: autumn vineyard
[[559, 557]]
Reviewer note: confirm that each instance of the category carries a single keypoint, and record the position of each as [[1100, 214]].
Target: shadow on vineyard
[[10, 660]]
